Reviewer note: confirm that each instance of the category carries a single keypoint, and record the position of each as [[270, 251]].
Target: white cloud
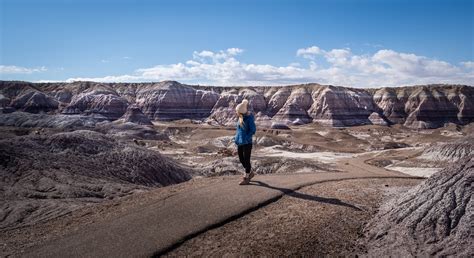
[[340, 67], [468, 64], [413, 65], [209, 56], [309, 52], [120, 78], [234, 51], [204, 53], [47, 81], [13, 69], [338, 57]]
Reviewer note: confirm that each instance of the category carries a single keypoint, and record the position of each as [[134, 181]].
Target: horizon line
[[239, 86]]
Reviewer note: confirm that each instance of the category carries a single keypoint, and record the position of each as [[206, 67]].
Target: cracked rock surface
[[434, 218]]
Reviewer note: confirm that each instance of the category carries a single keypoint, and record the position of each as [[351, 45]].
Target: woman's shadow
[[303, 196]]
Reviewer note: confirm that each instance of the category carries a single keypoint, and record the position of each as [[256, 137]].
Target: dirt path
[[358, 162], [321, 219], [158, 225]]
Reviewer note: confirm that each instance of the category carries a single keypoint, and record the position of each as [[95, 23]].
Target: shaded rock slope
[[426, 106], [433, 219], [46, 176]]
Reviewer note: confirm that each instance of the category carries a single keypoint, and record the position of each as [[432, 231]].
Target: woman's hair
[[241, 119]]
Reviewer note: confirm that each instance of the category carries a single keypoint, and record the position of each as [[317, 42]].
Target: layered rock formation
[[171, 101], [134, 115], [104, 103], [338, 106], [428, 106], [35, 102], [433, 219]]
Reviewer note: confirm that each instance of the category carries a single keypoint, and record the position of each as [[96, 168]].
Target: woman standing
[[243, 138]]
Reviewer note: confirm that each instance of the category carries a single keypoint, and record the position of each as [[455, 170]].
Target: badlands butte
[[428, 106], [149, 169]]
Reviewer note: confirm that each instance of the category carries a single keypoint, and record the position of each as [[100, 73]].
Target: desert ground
[[317, 191]]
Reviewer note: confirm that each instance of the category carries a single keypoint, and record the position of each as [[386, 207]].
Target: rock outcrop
[[4, 101], [106, 104], [433, 219], [24, 119], [171, 100], [451, 151], [377, 119], [296, 107], [35, 102], [427, 106], [135, 115], [339, 106], [392, 104], [49, 175]]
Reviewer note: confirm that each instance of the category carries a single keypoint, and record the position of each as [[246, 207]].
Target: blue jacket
[[246, 131]]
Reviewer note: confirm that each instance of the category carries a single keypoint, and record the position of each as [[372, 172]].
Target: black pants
[[244, 156]]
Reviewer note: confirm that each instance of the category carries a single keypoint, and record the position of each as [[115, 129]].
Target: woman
[[243, 138]]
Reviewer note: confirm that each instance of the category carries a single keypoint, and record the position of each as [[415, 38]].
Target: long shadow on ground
[[285, 191], [303, 196]]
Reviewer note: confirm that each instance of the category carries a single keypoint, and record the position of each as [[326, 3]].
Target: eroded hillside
[[428, 106]]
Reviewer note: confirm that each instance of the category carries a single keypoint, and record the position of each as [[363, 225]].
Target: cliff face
[[428, 106]]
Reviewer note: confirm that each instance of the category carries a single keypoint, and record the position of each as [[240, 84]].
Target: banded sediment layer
[[425, 106]]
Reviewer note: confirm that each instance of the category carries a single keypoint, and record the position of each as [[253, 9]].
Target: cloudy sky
[[360, 43]]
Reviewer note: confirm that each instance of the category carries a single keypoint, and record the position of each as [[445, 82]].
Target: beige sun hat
[[242, 107]]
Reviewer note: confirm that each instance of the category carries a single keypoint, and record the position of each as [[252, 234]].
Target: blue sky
[[344, 42]]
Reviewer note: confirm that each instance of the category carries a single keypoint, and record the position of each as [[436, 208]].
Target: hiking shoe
[[245, 181], [251, 175]]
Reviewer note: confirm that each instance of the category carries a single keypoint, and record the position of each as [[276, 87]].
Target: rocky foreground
[[428, 106], [46, 176], [434, 218]]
